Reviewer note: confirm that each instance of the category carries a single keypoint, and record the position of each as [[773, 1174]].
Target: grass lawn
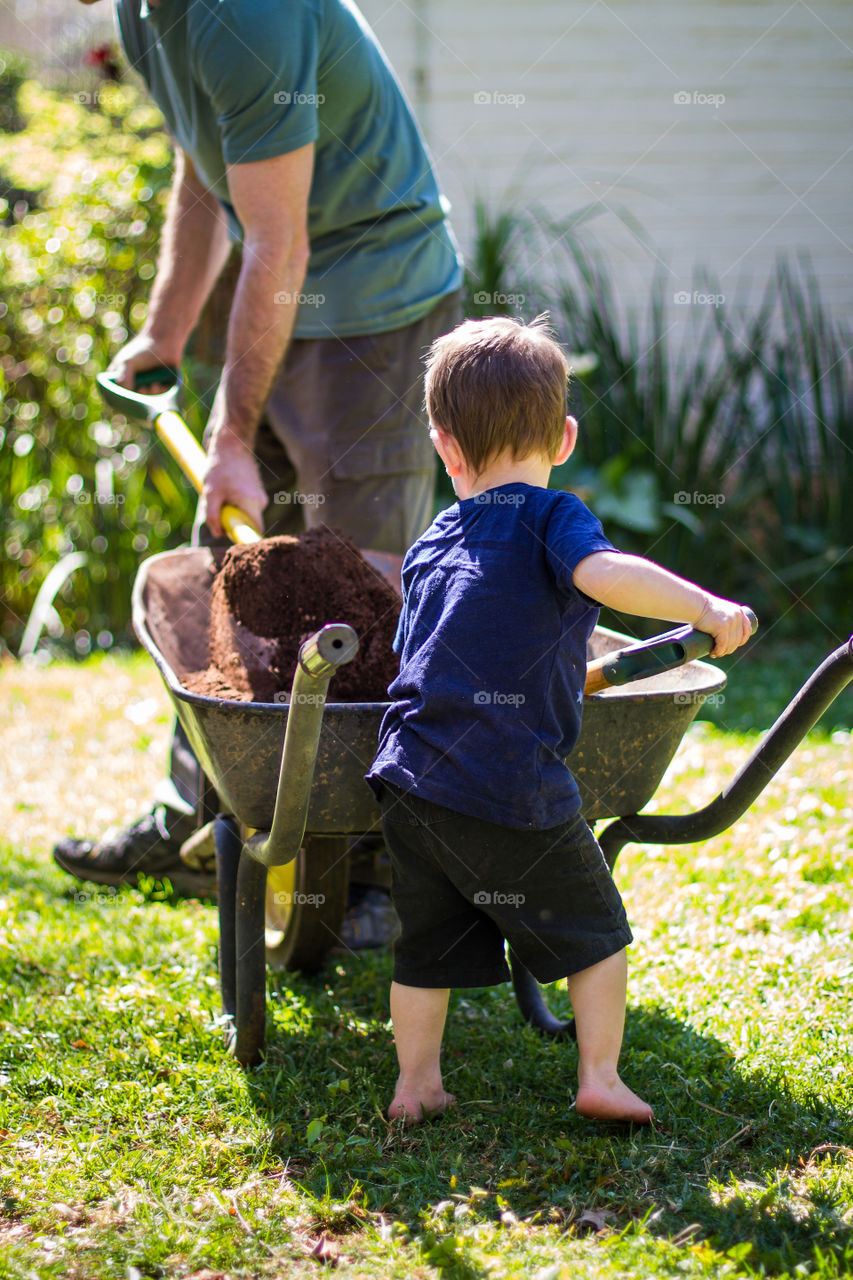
[[132, 1146]]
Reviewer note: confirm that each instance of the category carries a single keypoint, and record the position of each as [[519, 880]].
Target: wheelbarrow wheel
[[306, 902]]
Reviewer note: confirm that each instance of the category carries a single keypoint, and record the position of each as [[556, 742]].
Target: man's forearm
[[194, 247], [262, 317]]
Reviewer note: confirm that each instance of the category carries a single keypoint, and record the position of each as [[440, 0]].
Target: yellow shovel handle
[[190, 457]]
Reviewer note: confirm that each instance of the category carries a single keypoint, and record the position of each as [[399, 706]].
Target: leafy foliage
[[13, 73], [83, 195]]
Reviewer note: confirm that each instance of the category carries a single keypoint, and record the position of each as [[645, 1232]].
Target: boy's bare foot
[[414, 1105], [611, 1100]]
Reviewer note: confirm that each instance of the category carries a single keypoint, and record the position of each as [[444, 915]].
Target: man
[[293, 136]]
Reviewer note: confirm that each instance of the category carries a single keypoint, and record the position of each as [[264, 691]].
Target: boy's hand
[[727, 622]]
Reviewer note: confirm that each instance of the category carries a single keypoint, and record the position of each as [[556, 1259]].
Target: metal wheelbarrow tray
[[629, 736]]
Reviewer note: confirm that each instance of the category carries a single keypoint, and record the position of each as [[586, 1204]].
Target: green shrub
[[742, 435], [13, 73], [807, 385], [86, 186]]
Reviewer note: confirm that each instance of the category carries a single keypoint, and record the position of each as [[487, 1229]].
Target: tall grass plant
[[718, 438]]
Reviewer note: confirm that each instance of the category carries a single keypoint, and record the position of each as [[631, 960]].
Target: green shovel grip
[[135, 404], [661, 653]]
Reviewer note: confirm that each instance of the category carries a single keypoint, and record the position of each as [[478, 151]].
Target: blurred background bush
[[724, 450], [721, 447], [83, 181]]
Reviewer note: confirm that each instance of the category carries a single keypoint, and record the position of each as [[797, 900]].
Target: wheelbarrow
[[289, 777]]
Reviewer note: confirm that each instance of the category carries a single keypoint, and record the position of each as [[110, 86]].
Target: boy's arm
[[631, 584]]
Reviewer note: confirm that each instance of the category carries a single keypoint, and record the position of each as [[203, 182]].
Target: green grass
[[132, 1145]]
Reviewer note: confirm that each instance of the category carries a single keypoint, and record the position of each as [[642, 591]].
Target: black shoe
[[149, 847]]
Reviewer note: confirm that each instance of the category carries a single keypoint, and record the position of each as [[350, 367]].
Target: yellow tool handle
[[649, 657], [595, 677], [191, 458]]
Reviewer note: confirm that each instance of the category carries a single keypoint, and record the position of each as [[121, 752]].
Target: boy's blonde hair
[[498, 384]]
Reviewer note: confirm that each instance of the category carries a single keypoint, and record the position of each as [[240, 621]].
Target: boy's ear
[[570, 436], [447, 449]]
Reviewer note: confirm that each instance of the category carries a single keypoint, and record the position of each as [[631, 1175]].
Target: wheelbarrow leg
[[242, 954], [251, 960], [226, 838]]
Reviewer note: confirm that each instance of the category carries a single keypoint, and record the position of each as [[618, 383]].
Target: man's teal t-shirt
[[246, 80]]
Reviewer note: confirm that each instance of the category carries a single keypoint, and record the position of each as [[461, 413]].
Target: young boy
[[480, 814]]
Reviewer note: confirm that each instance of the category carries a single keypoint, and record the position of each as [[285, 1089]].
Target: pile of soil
[[268, 597]]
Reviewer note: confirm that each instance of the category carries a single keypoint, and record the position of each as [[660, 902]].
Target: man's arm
[[631, 584], [270, 198], [194, 247]]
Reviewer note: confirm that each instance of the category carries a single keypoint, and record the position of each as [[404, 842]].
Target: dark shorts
[[462, 887]]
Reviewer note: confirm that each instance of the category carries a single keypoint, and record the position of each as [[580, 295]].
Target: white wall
[[769, 168]]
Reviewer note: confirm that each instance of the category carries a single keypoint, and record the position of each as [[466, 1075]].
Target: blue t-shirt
[[247, 80], [492, 642]]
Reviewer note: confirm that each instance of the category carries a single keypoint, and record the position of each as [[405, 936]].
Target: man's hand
[[727, 622], [232, 476], [141, 353]]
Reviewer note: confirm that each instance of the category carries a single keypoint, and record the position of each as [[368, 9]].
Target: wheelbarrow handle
[[661, 653], [320, 656], [161, 411]]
